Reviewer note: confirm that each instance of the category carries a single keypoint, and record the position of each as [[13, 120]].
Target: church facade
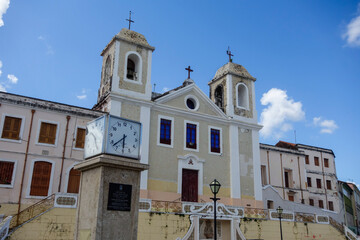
[[187, 138]]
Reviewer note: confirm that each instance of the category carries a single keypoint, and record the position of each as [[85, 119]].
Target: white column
[[115, 77], [229, 88], [257, 165], [148, 87], [253, 100], [115, 108], [145, 137], [234, 162]]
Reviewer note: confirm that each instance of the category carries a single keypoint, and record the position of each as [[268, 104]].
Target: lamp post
[[279, 210], [215, 187]]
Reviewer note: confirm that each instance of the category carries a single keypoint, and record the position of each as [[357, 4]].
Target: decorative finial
[[228, 52], [189, 70], [129, 20]]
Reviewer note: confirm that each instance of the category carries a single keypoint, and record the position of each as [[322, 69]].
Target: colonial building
[[301, 173], [350, 195], [40, 143]]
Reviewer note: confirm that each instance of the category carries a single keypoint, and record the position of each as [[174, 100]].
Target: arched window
[[242, 96], [74, 181], [219, 100], [40, 179], [133, 67], [107, 70]]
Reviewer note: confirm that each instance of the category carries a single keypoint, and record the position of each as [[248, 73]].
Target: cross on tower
[[129, 20], [189, 70], [228, 52]]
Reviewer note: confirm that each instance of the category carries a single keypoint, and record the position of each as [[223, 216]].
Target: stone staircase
[[57, 200]]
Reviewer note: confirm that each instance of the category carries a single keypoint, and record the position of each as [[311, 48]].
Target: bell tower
[[232, 90], [126, 69]]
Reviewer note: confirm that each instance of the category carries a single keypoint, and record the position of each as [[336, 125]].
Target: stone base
[[94, 220]]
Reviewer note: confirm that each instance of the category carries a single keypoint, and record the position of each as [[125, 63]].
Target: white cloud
[[12, 78], [352, 34], [0, 65], [327, 126], [281, 110], [49, 48], [165, 89], [2, 88], [83, 95], [4, 5]]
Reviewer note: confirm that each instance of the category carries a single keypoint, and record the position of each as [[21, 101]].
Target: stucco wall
[[15, 151], [246, 163], [270, 230], [58, 223], [162, 157], [124, 48]]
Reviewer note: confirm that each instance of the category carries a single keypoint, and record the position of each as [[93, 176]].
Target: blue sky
[[305, 55]]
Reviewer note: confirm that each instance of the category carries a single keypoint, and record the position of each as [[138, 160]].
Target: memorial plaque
[[119, 198]]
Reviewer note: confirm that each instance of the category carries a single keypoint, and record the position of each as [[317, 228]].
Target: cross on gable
[[189, 70], [129, 20], [228, 52]]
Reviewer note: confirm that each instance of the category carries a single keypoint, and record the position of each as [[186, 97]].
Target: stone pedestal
[[99, 217]]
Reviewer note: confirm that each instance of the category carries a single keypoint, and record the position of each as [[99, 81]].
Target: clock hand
[[95, 141], [124, 141]]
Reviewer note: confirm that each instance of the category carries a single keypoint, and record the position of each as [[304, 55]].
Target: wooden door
[[40, 179], [189, 188], [74, 181]]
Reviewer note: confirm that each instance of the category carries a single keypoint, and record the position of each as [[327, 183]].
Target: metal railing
[[198, 208], [32, 211], [4, 227]]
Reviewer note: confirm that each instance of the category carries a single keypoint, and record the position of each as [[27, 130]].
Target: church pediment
[[190, 98]]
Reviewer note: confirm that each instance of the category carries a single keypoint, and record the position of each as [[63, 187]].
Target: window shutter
[[80, 138], [40, 179], [11, 129], [47, 133], [6, 172], [74, 181]]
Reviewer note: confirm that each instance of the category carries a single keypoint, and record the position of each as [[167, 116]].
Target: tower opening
[[131, 69], [219, 97]]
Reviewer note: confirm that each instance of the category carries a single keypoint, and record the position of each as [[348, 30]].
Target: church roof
[[232, 68], [185, 83], [130, 36], [133, 37]]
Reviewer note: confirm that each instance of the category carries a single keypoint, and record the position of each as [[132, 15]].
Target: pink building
[[40, 143]]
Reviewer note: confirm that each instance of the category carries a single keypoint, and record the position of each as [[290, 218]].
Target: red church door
[[189, 188]]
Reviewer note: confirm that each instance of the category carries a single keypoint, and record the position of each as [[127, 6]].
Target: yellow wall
[[270, 230], [156, 226], [59, 223]]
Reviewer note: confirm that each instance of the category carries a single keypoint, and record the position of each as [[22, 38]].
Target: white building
[[301, 173]]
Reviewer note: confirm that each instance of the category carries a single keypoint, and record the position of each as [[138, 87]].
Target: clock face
[[123, 137], [94, 137]]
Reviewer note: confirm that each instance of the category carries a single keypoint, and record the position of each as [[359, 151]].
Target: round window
[[190, 103]]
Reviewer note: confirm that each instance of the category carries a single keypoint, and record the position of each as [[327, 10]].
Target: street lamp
[[215, 187], [279, 210]]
